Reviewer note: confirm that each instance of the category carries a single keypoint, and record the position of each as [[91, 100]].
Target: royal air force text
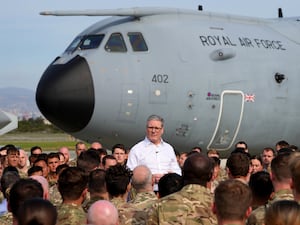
[[214, 40]]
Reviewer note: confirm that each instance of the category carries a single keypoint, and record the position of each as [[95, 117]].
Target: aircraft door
[[229, 120]]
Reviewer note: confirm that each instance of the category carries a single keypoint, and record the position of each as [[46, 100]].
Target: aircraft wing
[[140, 12], [136, 11], [8, 122]]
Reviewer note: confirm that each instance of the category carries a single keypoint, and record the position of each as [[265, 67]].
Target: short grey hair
[[157, 118], [138, 182]]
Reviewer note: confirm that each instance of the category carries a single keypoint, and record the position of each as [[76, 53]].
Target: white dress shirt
[[160, 159]]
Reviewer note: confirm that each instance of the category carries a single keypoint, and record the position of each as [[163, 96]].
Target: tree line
[[36, 125]]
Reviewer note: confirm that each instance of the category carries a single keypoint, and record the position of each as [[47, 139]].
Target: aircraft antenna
[[280, 14], [200, 7]]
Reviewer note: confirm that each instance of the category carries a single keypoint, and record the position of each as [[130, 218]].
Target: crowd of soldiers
[[100, 188]]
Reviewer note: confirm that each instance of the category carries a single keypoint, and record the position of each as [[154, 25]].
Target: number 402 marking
[[160, 78]]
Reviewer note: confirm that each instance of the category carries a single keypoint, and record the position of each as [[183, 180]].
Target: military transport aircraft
[[215, 78], [8, 122]]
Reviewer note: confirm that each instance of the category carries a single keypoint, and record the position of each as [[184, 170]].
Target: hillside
[[19, 101]]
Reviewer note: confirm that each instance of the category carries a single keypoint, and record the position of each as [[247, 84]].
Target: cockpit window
[[73, 46], [115, 43], [137, 42], [91, 41], [85, 42]]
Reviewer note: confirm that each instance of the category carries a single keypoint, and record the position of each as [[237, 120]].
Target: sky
[[29, 42]]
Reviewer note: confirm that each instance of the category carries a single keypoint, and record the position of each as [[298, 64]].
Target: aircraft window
[[73, 46], [115, 43], [91, 41], [137, 42], [85, 42]]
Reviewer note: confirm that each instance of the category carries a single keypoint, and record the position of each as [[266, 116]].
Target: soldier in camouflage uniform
[[96, 188], [117, 180], [281, 180], [13, 155], [221, 174], [72, 185], [65, 151], [21, 191], [35, 151], [52, 163], [216, 177], [22, 164], [169, 183], [192, 204], [232, 202], [268, 155], [79, 147], [238, 165], [88, 161], [134, 212], [260, 196], [54, 195]]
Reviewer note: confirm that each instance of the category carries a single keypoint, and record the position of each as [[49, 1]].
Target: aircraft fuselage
[[216, 79]]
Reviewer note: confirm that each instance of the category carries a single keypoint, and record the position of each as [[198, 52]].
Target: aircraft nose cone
[[65, 94]]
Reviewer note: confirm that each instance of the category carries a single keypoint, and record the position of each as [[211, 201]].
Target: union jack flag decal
[[249, 98]]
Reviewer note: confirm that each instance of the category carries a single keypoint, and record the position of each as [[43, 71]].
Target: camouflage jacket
[[52, 180], [73, 162], [257, 217], [6, 218], [135, 211], [70, 214], [1, 196], [54, 195], [285, 194], [191, 205], [22, 174], [87, 204], [118, 202]]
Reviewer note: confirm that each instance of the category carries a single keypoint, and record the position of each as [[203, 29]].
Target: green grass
[[48, 141]]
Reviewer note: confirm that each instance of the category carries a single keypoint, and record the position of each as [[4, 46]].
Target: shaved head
[[103, 212]]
